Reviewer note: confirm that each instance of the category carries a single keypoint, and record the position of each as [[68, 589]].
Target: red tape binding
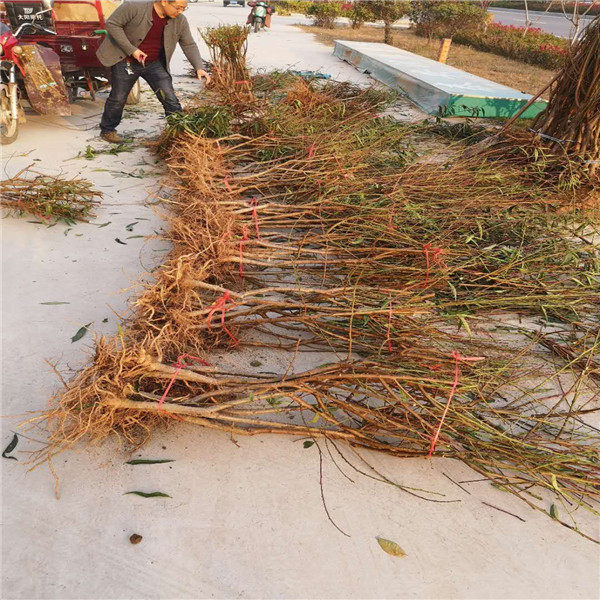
[[221, 305], [457, 360], [178, 366]]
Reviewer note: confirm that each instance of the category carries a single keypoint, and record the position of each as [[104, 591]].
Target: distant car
[[239, 2]]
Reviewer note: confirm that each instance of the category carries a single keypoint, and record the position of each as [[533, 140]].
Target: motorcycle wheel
[[256, 25], [134, 94], [9, 127]]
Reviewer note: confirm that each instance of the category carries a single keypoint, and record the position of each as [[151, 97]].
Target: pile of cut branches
[[228, 45], [49, 197], [571, 123], [328, 232]]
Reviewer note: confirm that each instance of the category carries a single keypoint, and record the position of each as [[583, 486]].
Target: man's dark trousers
[[124, 75]]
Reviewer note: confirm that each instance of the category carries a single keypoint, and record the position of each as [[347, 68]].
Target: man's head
[[173, 8]]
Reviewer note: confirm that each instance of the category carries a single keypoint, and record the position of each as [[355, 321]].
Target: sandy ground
[[245, 518]]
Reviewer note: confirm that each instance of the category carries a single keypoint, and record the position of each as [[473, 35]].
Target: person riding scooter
[[260, 15]]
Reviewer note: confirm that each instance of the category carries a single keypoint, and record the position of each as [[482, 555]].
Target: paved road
[[555, 23]]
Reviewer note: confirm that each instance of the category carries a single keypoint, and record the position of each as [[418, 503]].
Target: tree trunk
[[387, 35]]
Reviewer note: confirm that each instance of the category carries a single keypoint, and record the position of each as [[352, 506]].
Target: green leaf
[[130, 226], [104, 224], [11, 447], [148, 461], [453, 290], [54, 303], [120, 242], [133, 237], [554, 512], [255, 363], [463, 323], [308, 443], [80, 333], [390, 547], [149, 494]]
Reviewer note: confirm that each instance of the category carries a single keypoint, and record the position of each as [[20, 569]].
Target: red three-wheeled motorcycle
[[48, 57]]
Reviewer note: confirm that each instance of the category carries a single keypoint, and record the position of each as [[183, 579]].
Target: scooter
[[260, 16], [32, 71]]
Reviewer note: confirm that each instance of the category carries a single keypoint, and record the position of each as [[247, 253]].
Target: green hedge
[[445, 19], [324, 13], [287, 7], [534, 46]]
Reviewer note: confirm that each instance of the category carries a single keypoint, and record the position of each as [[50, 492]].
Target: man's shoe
[[112, 136]]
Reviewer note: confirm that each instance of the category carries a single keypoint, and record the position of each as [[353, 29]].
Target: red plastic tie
[[457, 360], [227, 186], [427, 248], [311, 150], [221, 304], [178, 366], [254, 205], [245, 81], [244, 239]]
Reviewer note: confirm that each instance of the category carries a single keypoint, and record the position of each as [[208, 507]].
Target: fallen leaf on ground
[[390, 547], [80, 333], [148, 461], [11, 447], [149, 494]]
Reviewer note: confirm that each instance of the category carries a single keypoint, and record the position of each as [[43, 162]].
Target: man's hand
[[140, 57], [200, 73]]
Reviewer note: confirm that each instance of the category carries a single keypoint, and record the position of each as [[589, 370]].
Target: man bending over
[[141, 38]]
